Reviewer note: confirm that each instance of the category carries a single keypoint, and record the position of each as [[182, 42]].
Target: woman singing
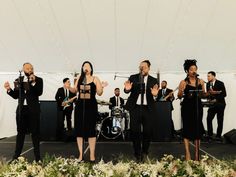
[[86, 109], [191, 89]]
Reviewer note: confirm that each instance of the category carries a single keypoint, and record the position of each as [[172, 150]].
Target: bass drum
[[112, 127]]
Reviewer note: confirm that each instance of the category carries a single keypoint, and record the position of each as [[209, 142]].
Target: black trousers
[[27, 124], [212, 111], [67, 114], [61, 116], [141, 129]]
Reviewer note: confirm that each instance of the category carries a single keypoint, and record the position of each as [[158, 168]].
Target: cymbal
[[102, 102]]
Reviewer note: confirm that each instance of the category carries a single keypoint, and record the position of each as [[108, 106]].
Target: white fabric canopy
[[57, 35]]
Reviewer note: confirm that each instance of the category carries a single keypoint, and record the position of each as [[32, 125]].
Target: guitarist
[[65, 106], [166, 94]]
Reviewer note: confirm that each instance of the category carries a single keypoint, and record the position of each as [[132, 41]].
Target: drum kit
[[113, 126]]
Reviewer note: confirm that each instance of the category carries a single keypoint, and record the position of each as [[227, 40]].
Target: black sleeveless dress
[[192, 126], [86, 112]]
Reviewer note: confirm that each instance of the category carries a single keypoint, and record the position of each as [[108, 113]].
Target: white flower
[[168, 166]]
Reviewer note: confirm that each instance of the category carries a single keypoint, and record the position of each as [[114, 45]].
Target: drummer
[[116, 101]]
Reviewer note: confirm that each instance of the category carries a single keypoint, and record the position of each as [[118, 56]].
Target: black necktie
[[66, 93], [163, 92], [142, 87], [117, 101], [142, 93]]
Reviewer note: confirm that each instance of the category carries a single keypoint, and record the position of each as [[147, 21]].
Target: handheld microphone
[[84, 80], [85, 70], [211, 85], [141, 69], [195, 74], [30, 77]]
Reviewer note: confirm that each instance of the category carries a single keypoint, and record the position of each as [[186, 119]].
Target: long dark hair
[[81, 79]]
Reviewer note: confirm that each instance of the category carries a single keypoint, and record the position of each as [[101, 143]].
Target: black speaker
[[230, 136], [48, 120]]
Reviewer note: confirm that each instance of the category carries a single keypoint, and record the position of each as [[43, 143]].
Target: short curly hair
[[188, 63]]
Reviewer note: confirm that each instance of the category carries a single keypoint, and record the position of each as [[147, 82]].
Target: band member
[[86, 109], [166, 94], [217, 94], [191, 89], [29, 88], [64, 98], [116, 100], [143, 89]]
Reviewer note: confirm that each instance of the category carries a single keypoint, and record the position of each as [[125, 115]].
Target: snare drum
[[117, 111]]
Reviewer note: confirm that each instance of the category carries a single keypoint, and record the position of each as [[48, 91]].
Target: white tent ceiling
[[57, 35]]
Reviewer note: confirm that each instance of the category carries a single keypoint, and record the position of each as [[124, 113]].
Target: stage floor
[[113, 151]]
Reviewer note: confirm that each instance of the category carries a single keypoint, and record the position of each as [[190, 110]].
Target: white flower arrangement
[[167, 166]]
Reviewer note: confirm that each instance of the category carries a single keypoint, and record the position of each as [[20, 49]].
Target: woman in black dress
[[191, 109], [86, 109]]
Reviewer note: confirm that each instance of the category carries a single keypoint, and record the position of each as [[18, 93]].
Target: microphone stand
[[118, 76], [83, 142], [197, 116], [141, 81], [20, 95]]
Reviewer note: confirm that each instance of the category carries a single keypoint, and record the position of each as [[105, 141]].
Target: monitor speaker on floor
[[230, 136]]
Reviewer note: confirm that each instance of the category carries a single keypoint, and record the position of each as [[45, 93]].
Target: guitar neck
[[167, 96], [70, 100]]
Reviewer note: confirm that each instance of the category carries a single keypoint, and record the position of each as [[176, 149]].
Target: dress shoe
[[209, 139], [218, 139]]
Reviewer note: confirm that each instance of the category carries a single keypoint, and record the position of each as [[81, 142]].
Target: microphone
[[85, 70], [211, 85], [141, 69], [20, 72], [195, 74], [84, 80], [30, 77]]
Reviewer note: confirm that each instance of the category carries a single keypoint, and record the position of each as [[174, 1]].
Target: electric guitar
[[167, 96], [67, 101]]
